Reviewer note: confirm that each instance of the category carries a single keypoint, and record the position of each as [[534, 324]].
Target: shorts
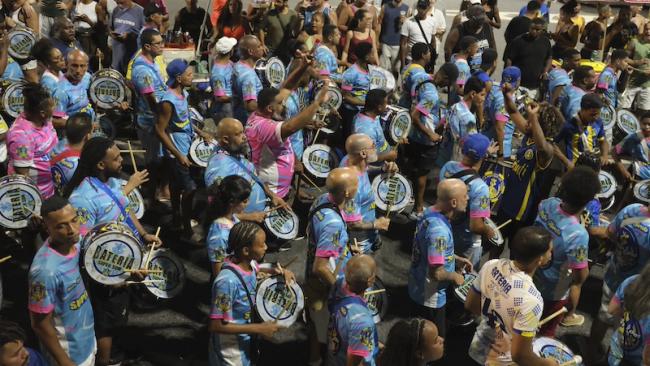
[[151, 143], [550, 306], [436, 315], [603, 315], [422, 158], [632, 94], [182, 178], [110, 308]]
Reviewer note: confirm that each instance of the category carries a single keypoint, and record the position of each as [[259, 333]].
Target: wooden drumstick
[[356, 246], [504, 224], [368, 293], [315, 136], [2, 260], [133, 151], [311, 182], [576, 360], [153, 245], [147, 271], [286, 306], [552, 316], [135, 166], [144, 282]]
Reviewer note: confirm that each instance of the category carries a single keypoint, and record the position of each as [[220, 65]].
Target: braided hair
[[242, 235], [92, 153], [403, 342]]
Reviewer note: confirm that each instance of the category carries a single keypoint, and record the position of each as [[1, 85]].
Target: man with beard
[[71, 94], [97, 194], [245, 82], [230, 159]]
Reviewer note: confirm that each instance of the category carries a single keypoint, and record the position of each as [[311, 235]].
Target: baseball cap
[[175, 68], [476, 146], [424, 4], [483, 76], [475, 2], [511, 75], [151, 9], [225, 45], [591, 101]]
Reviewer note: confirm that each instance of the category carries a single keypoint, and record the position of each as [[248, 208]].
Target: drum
[[319, 160], [546, 347], [497, 239], [462, 290], [167, 278], [608, 186], [110, 251], [642, 191], [334, 96], [377, 301], [21, 41], [19, 199], [394, 191], [381, 79], [136, 202], [271, 71], [281, 223], [608, 116], [277, 301], [626, 123], [12, 99], [397, 123], [201, 151], [456, 312], [108, 89], [494, 175]]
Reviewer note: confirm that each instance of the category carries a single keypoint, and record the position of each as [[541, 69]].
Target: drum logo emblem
[[279, 222], [108, 261], [22, 46], [320, 163], [494, 181], [605, 184], [528, 155], [276, 73], [401, 126], [277, 297], [631, 330]]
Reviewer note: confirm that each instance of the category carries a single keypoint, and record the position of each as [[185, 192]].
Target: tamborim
[[381, 79], [282, 223], [378, 301], [546, 347], [271, 71], [277, 301], [13, 100], [21, 41], [607, 189], [201, 151], [107, 89], [497, 239], [626, 123], [110, 251], [394, 191], [462, 290], [136, 202], [319, 160], [19, 199], [642, 191], [397, 123], [167, 278], [334, 96]]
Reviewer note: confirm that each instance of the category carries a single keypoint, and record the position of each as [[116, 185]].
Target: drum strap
[[106, 189], [69, 153], [464, 173], [248, 171], [255, 316]]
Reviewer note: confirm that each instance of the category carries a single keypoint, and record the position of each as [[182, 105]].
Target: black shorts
[[110, 308], [421, 158]]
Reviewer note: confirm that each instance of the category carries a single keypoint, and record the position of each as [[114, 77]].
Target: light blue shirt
[[147, 78]]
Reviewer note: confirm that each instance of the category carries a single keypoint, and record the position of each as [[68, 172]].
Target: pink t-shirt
[[272, 156], [30, 147]]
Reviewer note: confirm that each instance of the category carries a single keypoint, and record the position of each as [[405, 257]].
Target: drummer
[[609, 85], [355, 86], [362, 222], [559, 77], [461, 120], [635, 147], [57, 294], [352, 331], [584, 80], [511, 304], [77, 131], [32, 138], [53, 62], [221, 79], [469, 229], [560, 282], [433, 263], [367, 122], [71, 94], [325, 53], [232, 326], [414, 73], [245, 82]]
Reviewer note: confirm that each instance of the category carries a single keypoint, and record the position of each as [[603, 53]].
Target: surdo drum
[[108, 89], [626, 123], [110, 251], [281, 223], [21, 41], [201, 151], [167, 277], [377, 300], [12, 98], [319, 160], [271, 71], [277, 301], [546, 347], [397, 123], [334, 96], [392, 193], [19, 199], [607, 189]]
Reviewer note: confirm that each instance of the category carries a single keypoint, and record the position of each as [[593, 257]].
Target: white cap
[[475, 2], [225, 45]]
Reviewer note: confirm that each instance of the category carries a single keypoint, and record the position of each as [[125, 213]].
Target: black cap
[[591, 101], [424, 4], [151, 9]]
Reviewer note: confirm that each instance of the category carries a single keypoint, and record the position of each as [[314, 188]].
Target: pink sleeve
[[479, 214], [34, 308], [580, 265], [500, 117], [436, 259], [422, 110], [219, 93], [361, 353], [327, 253]]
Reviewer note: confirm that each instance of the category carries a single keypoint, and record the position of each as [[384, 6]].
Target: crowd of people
[[512, 162]]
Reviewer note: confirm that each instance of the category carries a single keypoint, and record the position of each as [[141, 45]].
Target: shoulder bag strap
[[248, 294]]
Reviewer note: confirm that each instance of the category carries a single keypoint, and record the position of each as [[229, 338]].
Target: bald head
[[77, 55], [228, 127], [450, 190], [357, 142], [359, 271], [231, 137], [342, 184], [77, 65], [249, 46]]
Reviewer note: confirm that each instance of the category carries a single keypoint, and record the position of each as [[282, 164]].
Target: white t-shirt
[[431, 24], [508, 297]]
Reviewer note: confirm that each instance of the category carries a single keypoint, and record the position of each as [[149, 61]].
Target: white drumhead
[[377, 302], [21, 41], [171, 280], [627, 121], [201, 151], [608, 115], [546, 347], [381, 78], [642, 191], [110, 255], [395, 191], [400, 124], [275, 72], [13, 100], [319, 160], [282, 223], [607, 184], [498, 238], [106, 90], [334, 96], [275, 300], [19, 199], [462, 290]]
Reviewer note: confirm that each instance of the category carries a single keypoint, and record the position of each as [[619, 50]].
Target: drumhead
[[201, 151], [400, 124], [13, 100], [381, 78], [136, 203], [498, 239], [642, 191], [282, 223], [19, 198], [627, 121], [171, 280], [462, 290], [21, 41], [110, 251], [275, 300], [607, 184], [334, 96], [319, 160], [608, 115], [107, 89], [377, 303], [275, 72], [395, 191], [546, 347]]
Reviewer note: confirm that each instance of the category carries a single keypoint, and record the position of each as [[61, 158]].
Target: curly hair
[[550, 119]]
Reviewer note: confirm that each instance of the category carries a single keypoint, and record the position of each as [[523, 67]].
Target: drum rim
[[493, 225], [195, 158], [5, 95], [296, 227], [379, 316], [380, 203], [399, 112], [627, 112], [24, 181], [93, 96], [314, 147], [295, 288], [637, 189], [170, 255], [20, 31], [550, 342], [125, 274]]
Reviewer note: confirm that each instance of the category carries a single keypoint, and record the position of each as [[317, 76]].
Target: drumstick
[[368, 293], [273, 209], [311, 182], [555, 314], [315, 136], [135, 167], [143, 282], [147, 271], [576, 360], [2, 260], [133, 151], [153, 245], [504, 224]]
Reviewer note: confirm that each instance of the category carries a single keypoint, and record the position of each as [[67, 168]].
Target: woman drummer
[[227, 199], [232, 321]]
